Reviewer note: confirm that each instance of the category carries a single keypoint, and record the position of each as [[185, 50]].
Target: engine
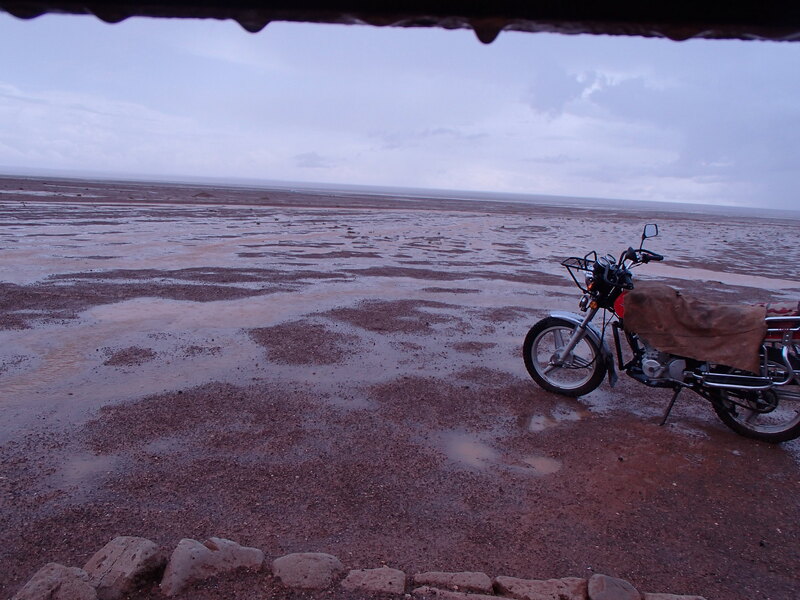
[[660, 365]]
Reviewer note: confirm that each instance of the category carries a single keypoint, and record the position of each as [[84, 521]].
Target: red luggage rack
[[783, 329], [783, 322]]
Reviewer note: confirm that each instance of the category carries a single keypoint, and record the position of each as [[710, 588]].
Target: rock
[[192, 561], [307, 570], [57, 582], [380, 581], [468, 581], [603, 587], [670, 597], [122, 565], [431, 593], [569, 588]]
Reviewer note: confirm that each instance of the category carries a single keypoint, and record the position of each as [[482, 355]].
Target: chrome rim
[[785, 415], [577, 368]]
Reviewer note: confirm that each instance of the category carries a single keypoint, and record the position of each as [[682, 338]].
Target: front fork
[[557, 361]]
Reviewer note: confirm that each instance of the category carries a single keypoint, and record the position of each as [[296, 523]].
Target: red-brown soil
[[129, 357]]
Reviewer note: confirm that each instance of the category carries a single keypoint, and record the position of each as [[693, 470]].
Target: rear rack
[[783, 323], [785, 328]]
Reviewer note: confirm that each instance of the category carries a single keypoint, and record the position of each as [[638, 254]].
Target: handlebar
[[606, 270], [648, 255], [641, 256]]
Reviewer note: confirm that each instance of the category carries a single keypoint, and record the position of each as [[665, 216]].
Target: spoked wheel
[[770, 416], [579, 373]]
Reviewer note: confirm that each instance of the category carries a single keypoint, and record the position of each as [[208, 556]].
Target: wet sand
[[313, 372]]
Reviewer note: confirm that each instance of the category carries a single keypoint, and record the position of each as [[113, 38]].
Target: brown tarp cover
[[668, 320]]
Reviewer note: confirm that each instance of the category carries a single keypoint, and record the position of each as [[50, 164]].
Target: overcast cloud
[[698, 121]]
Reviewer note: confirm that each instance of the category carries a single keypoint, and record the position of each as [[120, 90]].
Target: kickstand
[[670, 405]]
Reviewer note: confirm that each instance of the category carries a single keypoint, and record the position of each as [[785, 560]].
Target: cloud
[[413, 139], [552, 159], [553, 88], [232, 47], [312, 160], [70, 130], [573, 115], [729, 135]]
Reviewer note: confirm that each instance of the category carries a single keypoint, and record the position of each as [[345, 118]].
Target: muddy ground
[[343, 374]]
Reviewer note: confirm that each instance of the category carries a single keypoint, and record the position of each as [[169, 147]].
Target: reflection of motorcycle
[[744, 359]]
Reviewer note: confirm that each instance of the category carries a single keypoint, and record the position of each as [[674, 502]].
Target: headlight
[[584, 303]]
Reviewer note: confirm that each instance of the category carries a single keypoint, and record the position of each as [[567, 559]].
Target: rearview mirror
[[650, 230]]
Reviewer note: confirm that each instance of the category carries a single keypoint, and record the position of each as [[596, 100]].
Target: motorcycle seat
[[677, 323]]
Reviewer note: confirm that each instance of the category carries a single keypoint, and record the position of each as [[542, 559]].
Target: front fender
[[597, 337]]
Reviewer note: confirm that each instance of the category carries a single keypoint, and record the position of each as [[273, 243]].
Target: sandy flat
[[318, 372]]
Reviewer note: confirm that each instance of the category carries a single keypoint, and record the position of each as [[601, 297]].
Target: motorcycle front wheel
[[770, 416], [580, 372]]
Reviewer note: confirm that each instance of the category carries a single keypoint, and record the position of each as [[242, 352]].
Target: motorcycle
[[566, 353]]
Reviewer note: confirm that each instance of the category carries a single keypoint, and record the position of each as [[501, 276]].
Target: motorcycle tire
[[581, 373], [778, 417], [781, 424]]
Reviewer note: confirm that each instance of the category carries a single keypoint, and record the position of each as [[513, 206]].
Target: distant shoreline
[[374, 196]]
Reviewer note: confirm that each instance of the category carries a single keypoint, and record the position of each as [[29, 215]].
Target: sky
[[714, 122]]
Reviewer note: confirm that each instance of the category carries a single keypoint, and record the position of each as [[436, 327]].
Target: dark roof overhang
[[677, 20]]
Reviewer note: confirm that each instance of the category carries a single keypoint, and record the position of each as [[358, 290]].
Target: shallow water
[[739, 279], [504, 259]]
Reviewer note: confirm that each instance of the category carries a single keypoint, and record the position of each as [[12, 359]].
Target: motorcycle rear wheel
[[582, 371], [748, 417]]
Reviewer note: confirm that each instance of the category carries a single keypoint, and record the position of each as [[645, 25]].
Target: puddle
[[539, 423], [753, 281], [543, 465], [467, 450], [163, 446], [471, 452], [81, 469], [62, 373], [48, 194], [560, 414]]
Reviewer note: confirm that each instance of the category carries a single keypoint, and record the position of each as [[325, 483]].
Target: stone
[[430, 593], [57, 582], [307, 570], [568, 588], [603, 587], [379, 581], [122, 565], [468, 581], [192, 561], [670, 597]]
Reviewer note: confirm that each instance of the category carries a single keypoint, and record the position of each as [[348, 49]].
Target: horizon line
[[367, 189]]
